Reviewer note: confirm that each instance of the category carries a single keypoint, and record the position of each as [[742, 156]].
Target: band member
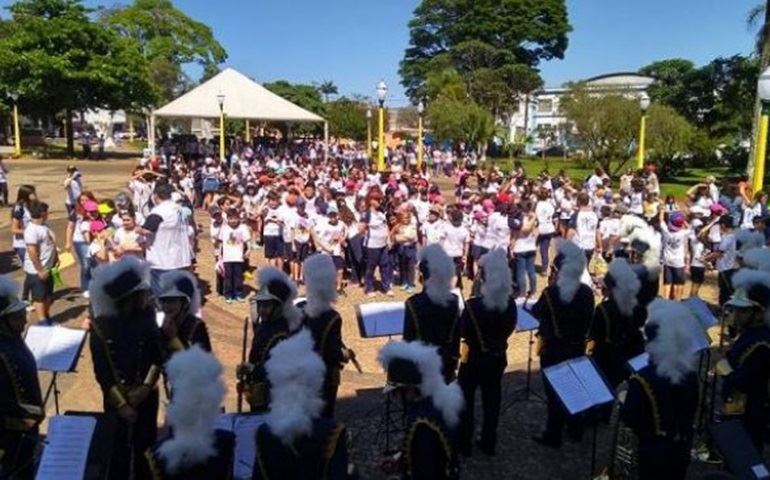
[[433, 410], [324, 323], [487, 322], [276, 319], [194, 450], [21, 404], [296, 442], [432, 316], [663, 396], [613, 336], [747, 363], [645, 258], [180, 302], [127, 354], [564, 310]]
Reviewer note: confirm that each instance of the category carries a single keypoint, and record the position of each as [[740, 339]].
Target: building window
[[545, 105]]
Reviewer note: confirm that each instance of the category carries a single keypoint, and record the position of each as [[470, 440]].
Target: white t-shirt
[[585, 223], [21, 213], [499, 231], [377, 236], [435, 232], [302, 227], [609, 227], [481, 235], [169, 247], [125, 239], [272, 228], [697, 250], [289, 216], [675, 246], [233, 241], [331, 237], [728, 247], [455, 239], [544, 210], [43, 237], [525, 243], [749, 214]]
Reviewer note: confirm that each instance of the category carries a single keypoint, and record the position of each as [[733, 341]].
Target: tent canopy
[[244, 99]]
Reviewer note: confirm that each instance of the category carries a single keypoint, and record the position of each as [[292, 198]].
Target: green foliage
[[669, 139], [460, 120], [168, 39], [305, 96], [347, 118], [328, 88]]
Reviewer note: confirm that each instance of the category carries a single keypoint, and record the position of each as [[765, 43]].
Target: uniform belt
[[16, 424]]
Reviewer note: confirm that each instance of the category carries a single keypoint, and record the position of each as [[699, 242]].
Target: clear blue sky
[[355, 43]]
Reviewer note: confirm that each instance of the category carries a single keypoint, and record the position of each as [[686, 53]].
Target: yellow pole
[[16, 130], [642, 135], [248, 131], [419, 143], [759, 161], [381, 141], [222, 134], [369, 137]]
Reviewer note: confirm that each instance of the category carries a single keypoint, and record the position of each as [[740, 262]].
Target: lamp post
[[763, 91], [644, 104], [16, 131], [382, 92], [221, 100], [369, 132], [420, 111]]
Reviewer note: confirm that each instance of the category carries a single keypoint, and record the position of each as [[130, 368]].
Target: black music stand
[[526, 323]]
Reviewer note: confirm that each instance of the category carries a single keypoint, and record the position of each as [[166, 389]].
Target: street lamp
[[763, 92], [644, 105], [420, 111], [369, 133], [16, 131], [221, 101], [382, 92]]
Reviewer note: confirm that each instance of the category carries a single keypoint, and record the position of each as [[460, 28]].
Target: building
[[539, 116]]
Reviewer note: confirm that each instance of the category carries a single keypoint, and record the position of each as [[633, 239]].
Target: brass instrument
[[622, 461]]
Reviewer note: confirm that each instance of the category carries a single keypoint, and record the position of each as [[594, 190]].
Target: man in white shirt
[[169, 240], [583, 229], [41, 257], [434, 230], [456, 243]]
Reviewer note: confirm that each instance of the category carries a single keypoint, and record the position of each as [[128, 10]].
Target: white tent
[[243, 99]]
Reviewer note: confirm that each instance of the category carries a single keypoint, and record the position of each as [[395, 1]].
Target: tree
[[671, 83], [460, 121], [168, 39], [328, 88], [347, 118], [57, 59], [606, 122], [305, 96], [761, 11], [669, 137]]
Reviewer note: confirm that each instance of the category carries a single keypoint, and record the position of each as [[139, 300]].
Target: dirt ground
[[360, 404]]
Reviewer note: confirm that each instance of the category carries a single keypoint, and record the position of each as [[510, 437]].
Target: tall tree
[[306, 96], [169, 39], [57, 59], [327, 89], [347, 118], [760, 11]]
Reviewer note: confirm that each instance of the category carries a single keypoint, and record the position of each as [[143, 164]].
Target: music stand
[[526, 323], [734, 445], [380, 319]]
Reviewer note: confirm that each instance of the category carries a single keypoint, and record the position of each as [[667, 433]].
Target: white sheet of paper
[[701, 311], [55, 348], [461, 301], [592, 381], [66, 454], [245, 445], [525, 321], [760, 471], [640, 361], [568, 387]]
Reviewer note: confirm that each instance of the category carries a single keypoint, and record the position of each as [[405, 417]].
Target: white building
[[540, 111]]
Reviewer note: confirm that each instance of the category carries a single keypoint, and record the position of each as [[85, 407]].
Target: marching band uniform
[[324, 323], [614, 337], [432, 316], [564, 310], [194, 450], [433, 413], [21, 403], [645, 248], [127, 356], [276, 295], [745, 387], [296, 442], [487, 322], [663, 396], [189, 329]]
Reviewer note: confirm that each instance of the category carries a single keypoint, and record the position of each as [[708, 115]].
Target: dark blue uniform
[[21, 407], [326, 330], [661, 414], [486, 334], [322, 455], [749, 358], [192, 331], [435, 325], [616, 339], [219, 466], [430, 447], [266, 336]]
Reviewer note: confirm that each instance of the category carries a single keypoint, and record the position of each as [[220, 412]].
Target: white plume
[[571, 270], [671, 350], [291, 312], [441, 271], [497, 287], [747, 240], [320, 284], [650, 258], [746, 279], [757, 258], [448, 399], [103, 304], [296, 375], [626, 287], [195, 379], [629, 223], [175, 277]]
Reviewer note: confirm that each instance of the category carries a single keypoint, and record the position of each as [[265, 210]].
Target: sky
[[356, 43]]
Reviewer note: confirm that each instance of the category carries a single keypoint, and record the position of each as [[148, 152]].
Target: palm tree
[[328, 88], [759, 12]]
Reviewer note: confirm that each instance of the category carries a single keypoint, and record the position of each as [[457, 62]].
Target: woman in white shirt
[[376, 244], [753, 210], [524, 246], [544, 212]]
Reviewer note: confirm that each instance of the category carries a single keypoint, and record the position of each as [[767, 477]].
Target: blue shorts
[[673, 275], [273, 247]]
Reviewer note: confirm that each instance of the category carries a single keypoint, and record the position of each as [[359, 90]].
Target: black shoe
[[547, 442]]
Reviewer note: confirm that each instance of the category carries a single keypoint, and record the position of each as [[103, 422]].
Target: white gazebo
[[243, 98]]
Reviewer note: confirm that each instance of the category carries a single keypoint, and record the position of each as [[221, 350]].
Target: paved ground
[[360, 403]]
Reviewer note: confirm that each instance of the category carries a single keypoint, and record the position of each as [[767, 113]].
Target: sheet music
[[226, 422], [525, 321], [760, 471], [245, 445], [382, 318], [700, 340], [639, 362], [55, 348], [570, 390], [66, 454], [592, 380], [701, 311]]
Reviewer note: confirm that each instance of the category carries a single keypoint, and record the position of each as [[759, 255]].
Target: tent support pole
[[326, 141], [151, 134]]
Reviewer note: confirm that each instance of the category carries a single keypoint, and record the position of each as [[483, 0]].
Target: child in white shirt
[[234, 240]]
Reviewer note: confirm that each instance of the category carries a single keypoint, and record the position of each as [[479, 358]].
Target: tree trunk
[[69, 133], [764, 63]]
